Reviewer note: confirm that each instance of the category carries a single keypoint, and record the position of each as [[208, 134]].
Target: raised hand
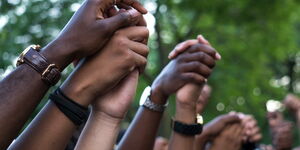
[[189, 94], [193, 66], [181, 47], [230, 138], [251, 130], [96, 75], [117, 101], [107, 113], [282, 136], [214, 127], [203, 98], [87, 31]]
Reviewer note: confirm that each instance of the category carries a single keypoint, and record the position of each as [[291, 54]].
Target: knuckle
[[124, 17], [201, 55], [122, 42], [119, 33], [181, 58], [127, 56]]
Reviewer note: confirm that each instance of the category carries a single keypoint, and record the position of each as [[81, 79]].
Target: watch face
[[145, 94]]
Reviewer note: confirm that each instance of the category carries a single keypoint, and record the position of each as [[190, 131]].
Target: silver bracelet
[[154, 107], [146, 102]]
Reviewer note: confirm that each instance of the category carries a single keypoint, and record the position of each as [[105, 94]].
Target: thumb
[[121, 20], [129, 84]]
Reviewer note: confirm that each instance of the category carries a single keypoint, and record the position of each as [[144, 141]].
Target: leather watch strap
[[49, 72]]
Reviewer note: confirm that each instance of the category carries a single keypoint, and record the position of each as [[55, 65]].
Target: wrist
[[104, 117], [185, 114], [157, 96], [77, 93], [58, 53]]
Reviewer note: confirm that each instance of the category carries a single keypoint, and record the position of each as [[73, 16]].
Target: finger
[[136, 32], [194, 78], [138, 48], [135, 4], [123, 6], [197, 67], [201, 57], [227, 119], [181, 47], [129, 84], [142, 22], [237, 129], [256, 138], [120, 20], [140, 62], [202, 40], [202, 48]]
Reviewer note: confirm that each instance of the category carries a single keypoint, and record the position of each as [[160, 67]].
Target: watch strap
[[75, 112], [186, 129], [154, 107], [49, 72]]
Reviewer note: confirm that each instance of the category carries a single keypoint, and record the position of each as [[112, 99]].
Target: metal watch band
[[154, 107], [50, 73], [186, 129]]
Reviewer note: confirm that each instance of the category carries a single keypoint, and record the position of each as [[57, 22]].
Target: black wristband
[[74, 111], [186, 129]]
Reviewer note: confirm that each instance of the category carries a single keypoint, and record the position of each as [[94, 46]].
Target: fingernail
[[218, 56], [133, 13], [171, 55], [201, 37]]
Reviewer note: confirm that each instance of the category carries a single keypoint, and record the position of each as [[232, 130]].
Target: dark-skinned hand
[[192, 66], [87, 31]]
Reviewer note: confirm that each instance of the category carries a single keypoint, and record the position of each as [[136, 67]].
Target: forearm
[[20, 93], [142, 131], [179, 141], [186, 99], [100, 132], [51, 129]]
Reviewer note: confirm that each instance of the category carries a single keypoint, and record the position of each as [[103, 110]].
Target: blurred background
[[259, 41]]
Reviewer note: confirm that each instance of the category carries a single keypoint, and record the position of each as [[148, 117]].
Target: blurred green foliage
[[258, 41]]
